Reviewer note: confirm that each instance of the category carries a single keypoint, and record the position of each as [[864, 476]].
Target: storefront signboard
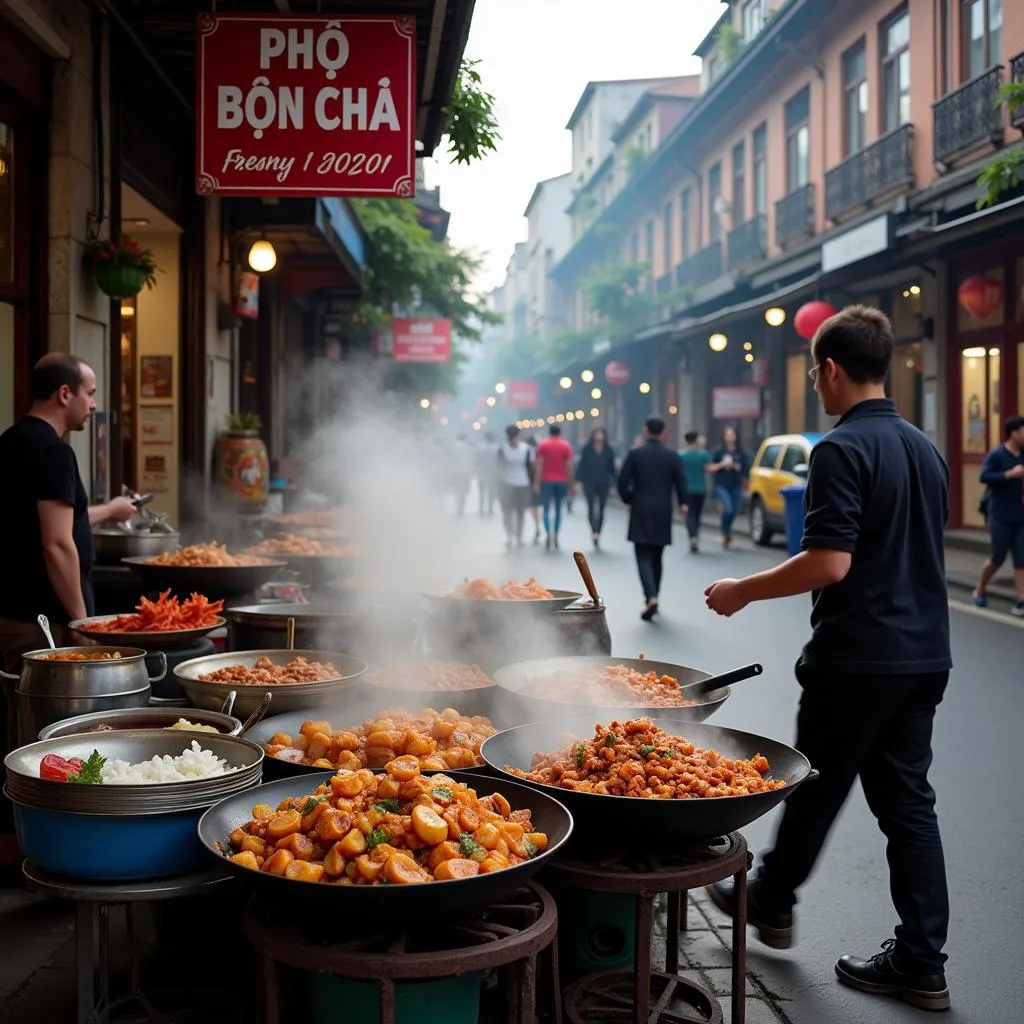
[[868, 239], [419, 340], [306, 105], [738, 403], [523, 394]]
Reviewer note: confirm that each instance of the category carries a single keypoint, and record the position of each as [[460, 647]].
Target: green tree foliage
[[617, 296], [409, 271], [729, 42], [472, 125], [1006, 172]]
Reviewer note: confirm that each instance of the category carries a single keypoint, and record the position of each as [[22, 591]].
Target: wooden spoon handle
[[290, 634], [588, 577]]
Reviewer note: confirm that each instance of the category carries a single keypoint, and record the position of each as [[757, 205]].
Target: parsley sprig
[[92, 770]]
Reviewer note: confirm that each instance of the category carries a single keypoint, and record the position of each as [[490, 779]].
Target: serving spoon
[[588, 577], [44, 625], [258, 714]]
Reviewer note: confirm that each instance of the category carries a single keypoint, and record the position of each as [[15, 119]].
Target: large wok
[[215, 581], [708, 691], [291, 723], [402, 901], [653, 820], [314, 568], [448, 604]]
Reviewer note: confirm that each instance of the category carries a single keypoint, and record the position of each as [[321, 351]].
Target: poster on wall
[[306, 105], [156, 424], [156, 378], [736, 403], [155, 473], [100, 458], [421, 340]]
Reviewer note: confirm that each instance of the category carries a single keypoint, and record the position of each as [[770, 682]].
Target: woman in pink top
[[554, 480]]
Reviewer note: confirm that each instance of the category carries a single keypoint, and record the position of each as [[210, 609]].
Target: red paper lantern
[[980, 295], [810, 316], [616, 374]]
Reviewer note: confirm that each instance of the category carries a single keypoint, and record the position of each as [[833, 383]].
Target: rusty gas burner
[[643, 995], [510, 934]]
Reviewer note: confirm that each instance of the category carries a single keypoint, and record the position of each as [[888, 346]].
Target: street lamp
[[262, 256], [499, 388], [645, 388], [775, 317], [595, 393], [424, 403], [565, 383], [587, 376], [718, 342]]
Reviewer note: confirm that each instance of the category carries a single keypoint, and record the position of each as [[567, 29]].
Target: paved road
[[845, 907]]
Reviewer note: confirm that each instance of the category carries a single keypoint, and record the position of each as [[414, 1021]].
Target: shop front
[[985, 365]]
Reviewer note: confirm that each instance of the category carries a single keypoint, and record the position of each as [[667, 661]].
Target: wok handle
[[588, 577], [737, 675], [168, 702], [813, 775], [162, 674], [9, 675]]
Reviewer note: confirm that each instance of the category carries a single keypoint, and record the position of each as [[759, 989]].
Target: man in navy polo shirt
[[876, 665]]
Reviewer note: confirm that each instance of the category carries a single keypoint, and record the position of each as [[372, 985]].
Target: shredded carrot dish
[[165, 614], [211, 555], [485, 590]]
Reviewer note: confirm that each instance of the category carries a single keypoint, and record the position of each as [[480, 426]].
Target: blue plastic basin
[[110, 848]]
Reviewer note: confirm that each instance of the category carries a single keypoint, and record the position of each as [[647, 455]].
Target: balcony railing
[[701, 268], [1017, 76], [663, 285], [748, 242], [876, 170], [794, 216], [969, 117]]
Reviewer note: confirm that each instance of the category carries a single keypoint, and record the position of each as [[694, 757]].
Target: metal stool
[[622, 995], [94, 901]]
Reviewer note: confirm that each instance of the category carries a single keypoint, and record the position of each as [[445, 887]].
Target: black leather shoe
[[777, 931], [881, 975]]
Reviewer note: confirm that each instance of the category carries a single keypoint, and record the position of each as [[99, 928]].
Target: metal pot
[[317, 627], [111, 544], [50, 691], [141, 718]]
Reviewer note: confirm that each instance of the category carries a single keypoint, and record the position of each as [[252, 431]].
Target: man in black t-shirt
[[876, 665], [46, 549]]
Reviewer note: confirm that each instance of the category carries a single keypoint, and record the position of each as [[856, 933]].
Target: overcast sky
[[536, 58]]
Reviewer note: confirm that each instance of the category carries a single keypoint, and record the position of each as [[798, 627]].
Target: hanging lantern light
[[775, 317], [980, 295], [810, 316], [262, 256], [718, 342]]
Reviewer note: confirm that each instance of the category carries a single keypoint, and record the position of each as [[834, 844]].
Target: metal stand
[[642, 996], [94, 902], [509, 934]]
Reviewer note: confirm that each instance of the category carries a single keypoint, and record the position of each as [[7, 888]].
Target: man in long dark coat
[[651, 483]]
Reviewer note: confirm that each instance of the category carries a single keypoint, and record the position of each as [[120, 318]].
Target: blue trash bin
[[793, 496]]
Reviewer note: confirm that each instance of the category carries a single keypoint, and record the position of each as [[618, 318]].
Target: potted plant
[[120, 268], [243, 466]]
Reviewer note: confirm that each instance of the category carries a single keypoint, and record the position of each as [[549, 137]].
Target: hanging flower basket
[[121, 268]]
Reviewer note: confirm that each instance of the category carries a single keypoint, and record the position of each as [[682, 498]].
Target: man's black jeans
[[648, 563], [880, 728]]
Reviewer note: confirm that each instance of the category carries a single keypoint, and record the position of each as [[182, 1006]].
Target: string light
[[579, 414], [775, 317], [424, 403], [645, 388], [718, 342], [673, 409], [747, 346], [565, 383], [595, 393], [491, 400], [595, 412], [499, 388], [570, 416], [749, 357]]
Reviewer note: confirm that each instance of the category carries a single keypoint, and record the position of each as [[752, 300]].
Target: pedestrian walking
[[652, 485], [730, 465], [696, 459], [461, 472], [515, 479], [487, 474], [1003, 476], [554, 480], [597, 476], [876, 665], [535, 499]]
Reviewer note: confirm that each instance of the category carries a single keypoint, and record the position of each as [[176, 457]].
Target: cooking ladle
[[229, 702], [705, 686], [44, 625], [588, 577], [258, 714]]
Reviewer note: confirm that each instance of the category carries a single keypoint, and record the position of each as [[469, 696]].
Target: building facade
[[834, 153]]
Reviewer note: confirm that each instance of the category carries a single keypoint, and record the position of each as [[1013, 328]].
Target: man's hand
[[683, 509], [120, 510], [1016, 473], [727, 597]]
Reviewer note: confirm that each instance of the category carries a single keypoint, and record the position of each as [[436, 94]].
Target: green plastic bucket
[[453, 1000]]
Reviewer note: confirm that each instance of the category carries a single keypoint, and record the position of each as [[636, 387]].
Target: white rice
[[192, 763]]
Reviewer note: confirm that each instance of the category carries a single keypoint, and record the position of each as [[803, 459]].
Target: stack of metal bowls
[[120, 833]]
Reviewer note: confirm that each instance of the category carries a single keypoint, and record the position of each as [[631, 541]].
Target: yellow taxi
[[780, 461]]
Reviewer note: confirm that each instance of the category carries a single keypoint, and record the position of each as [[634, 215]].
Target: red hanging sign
[[305, 105], [616, 374], [523, 394], [421, 340]]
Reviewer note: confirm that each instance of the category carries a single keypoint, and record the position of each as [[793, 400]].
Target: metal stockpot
[[50, 691], [111, 544]]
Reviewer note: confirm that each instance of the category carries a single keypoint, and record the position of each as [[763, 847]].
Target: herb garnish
[[470, 848], [647, 749], [311, 803], [388, 806], [92, 770], [665, 753], [375, 838], [581, 753], [611, 739], [442, 793], [532, 849]]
